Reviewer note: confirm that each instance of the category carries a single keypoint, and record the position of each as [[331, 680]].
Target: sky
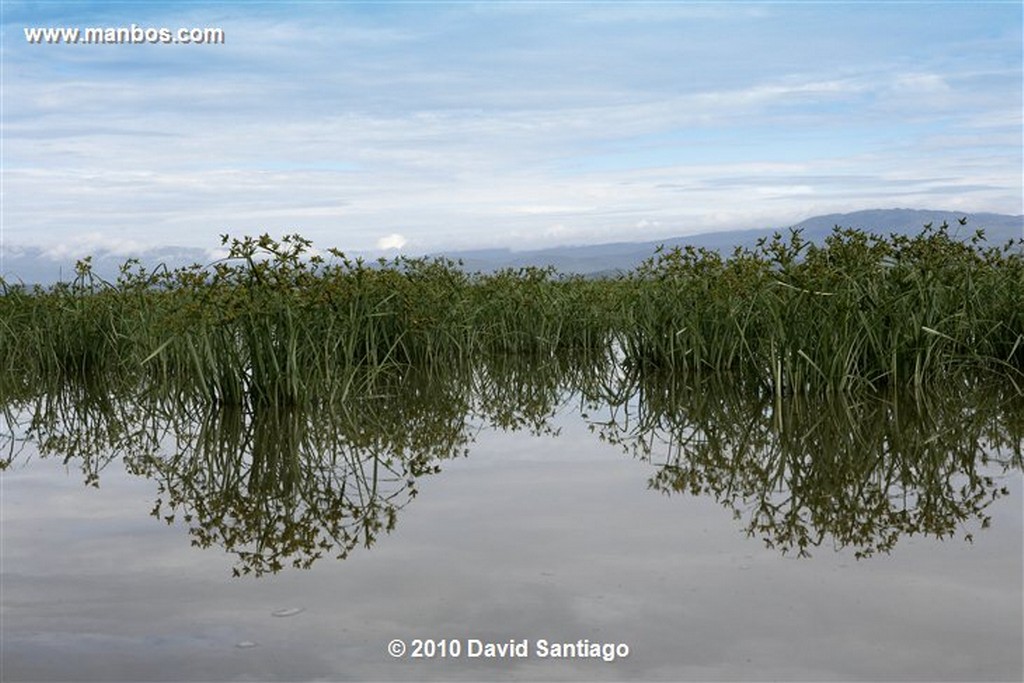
[[424, 125]]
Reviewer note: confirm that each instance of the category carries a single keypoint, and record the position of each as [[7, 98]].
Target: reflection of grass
[[270, 326], [281, 486], [276, 486], [860, 471]]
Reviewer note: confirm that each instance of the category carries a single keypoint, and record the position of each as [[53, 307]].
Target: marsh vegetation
[[518, 453], [275, 323], [287, 402]]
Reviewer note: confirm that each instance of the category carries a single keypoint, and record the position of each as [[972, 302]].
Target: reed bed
[[275, 324], [859, 311]]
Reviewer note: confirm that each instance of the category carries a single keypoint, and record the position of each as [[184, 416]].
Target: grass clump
[[858, 311], [276, 323]]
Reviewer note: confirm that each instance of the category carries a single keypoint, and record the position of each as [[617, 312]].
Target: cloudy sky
[[452, 125]]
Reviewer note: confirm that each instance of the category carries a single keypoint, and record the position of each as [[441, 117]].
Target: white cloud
[[88, 243], [392, 241], [921, 82], [424, 127]]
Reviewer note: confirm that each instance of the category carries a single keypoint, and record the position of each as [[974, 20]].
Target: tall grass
[[859, 311], [275, 323]]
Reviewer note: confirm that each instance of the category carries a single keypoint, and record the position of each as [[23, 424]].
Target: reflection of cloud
[[392, 241]]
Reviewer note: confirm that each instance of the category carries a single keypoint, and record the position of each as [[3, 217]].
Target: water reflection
[[279, 486], [283, 487], [860, 471], [274, 486]]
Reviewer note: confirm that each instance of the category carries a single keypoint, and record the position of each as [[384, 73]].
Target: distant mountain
[[999, 228], [31, 265], [621, 256]]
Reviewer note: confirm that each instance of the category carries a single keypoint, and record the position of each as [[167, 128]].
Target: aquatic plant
[[859, 311], [276, 323]]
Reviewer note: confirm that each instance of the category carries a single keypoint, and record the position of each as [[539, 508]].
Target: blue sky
[[454, 125]]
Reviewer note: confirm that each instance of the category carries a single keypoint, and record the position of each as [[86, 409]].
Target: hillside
[[32, 265]]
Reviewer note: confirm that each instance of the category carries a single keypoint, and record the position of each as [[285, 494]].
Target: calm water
[[714, 535]]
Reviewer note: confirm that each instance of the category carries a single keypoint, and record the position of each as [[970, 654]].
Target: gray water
[[539, 532]]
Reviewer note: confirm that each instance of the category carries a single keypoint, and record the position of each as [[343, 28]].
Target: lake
[[514, 521]]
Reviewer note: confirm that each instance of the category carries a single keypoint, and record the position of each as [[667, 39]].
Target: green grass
[[271, 324], [860, 311]]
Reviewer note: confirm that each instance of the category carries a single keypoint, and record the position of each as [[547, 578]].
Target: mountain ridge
[[32, 265]]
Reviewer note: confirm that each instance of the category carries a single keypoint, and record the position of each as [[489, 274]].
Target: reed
[[859, 311], [274, 323]]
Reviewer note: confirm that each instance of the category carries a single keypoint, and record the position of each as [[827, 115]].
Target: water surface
[[717, 534]]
